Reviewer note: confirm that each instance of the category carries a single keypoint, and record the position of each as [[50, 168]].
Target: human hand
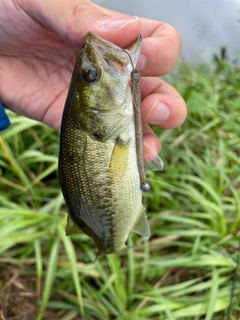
[[39, 41]]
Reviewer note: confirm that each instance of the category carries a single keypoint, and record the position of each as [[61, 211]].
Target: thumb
[[72, 19]]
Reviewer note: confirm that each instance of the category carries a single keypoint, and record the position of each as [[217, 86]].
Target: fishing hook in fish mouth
[[130, 58]]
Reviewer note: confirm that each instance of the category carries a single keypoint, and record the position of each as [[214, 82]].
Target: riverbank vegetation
[[186, 269]]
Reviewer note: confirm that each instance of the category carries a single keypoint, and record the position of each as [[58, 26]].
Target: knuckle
[[172, 47], [73, 25]]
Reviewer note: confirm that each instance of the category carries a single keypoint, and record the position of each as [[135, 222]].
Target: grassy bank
[[186, 269]]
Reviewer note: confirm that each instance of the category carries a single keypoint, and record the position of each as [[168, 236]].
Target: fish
[[98, 164]]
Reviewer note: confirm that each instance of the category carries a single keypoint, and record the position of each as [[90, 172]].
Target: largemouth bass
[[98, 168]]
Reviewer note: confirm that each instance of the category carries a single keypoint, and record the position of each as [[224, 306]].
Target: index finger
[[160, 48], [161, 45]]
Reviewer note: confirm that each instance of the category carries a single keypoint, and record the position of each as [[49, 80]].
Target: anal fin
[[141, 224], [72, 227]]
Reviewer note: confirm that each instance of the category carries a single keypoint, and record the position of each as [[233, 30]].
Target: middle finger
[[162, 105]]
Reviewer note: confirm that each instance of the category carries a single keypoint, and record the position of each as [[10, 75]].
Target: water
[[205, 26]]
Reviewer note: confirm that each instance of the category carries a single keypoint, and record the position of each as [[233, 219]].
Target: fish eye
[[92, 74]]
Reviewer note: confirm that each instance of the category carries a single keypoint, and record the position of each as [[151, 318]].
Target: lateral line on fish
[[136, 93]]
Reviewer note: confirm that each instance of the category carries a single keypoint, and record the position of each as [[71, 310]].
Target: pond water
[[205, 26]]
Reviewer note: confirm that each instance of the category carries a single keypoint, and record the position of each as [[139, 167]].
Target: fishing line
[[162, 183]]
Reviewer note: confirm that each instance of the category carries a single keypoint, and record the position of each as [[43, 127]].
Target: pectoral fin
[[156, 163], [141, 225], [72, 227]]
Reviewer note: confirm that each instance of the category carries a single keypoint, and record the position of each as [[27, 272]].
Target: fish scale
[[98, 169]]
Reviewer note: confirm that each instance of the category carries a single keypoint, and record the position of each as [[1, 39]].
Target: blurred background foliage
[[186, 269]]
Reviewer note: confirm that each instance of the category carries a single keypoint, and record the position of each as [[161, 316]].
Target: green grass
[[186, 269]]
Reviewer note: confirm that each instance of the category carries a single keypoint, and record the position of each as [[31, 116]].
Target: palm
[[36, 62], [36, 80]]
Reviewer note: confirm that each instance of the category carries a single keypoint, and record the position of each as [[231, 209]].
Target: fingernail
[[142, 62], [112, 24], [158, 113]]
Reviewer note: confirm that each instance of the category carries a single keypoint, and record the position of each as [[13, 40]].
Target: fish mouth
[[112, 56]]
